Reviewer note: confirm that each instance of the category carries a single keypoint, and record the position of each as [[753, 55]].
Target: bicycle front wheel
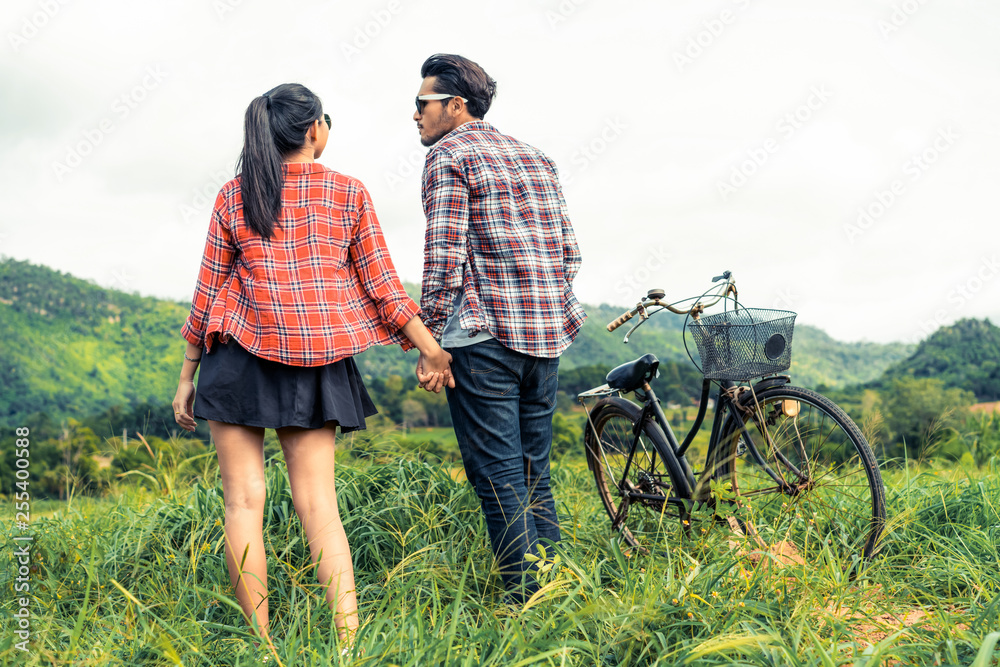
[[638, 502], [806, 478]]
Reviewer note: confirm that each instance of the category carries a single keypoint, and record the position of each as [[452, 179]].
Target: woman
[[295, 279]]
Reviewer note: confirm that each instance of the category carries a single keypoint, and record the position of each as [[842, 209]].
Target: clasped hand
[[434, 371]]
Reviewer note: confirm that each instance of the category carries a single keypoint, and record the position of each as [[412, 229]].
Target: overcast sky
[[840, 158]]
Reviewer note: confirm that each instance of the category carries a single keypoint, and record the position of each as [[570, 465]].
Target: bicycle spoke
[[814, 490], [634, 492]]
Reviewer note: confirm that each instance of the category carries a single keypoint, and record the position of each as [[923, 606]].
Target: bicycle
[[785, 467]]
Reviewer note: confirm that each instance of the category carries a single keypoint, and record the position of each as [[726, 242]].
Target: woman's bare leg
[[309, 456], [241, 463]]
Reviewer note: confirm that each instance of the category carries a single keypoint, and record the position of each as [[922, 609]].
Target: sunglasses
[[329, 123], [436, 96]]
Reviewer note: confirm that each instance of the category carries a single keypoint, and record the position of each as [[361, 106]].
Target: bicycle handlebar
[[655, 298]]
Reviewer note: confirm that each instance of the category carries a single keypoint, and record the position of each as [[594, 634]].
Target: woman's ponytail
[[262, 174], [275, 125]]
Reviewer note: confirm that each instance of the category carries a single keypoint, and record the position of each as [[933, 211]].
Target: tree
[[434, 406], [965, 354], [917, 410], [413, 413], [576, 380], [388, 395], [567, 437]]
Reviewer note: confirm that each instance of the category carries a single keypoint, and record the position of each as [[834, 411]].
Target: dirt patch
[[869, 614], [870, 625], [780, 554], [873, 629]]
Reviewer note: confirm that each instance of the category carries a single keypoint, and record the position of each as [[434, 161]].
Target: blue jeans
[[502, 407]]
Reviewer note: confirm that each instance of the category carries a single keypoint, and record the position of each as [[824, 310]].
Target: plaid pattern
[[497, 227], [322, 289]]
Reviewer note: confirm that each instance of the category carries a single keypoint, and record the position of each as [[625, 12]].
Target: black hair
[[460, 76], [275, 126]]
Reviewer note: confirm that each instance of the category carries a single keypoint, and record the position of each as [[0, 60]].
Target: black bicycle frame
[[651, 409]]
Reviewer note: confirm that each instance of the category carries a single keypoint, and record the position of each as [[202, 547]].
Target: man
[[500, 256]]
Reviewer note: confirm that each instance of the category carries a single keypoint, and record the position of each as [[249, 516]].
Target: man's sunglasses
[[436, 96]]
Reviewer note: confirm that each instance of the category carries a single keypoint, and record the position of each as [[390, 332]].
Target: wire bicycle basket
[[744, 343]]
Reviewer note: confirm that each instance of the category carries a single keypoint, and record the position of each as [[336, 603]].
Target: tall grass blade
[[985, 656]]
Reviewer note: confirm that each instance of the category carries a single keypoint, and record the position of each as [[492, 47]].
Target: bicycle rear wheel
[[637, 504], [810, 484]]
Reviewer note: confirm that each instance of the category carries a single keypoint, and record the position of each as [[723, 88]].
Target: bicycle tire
[[609, 437], [832, 487]]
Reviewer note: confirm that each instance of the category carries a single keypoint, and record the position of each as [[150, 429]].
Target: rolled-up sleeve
[[216, 266], [376, 271], [445, 194], [572, 259]]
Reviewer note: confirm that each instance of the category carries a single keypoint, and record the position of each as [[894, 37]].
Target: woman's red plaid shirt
[[322, 289]]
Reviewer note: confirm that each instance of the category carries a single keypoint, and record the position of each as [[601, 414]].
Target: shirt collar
[[472, 126], [303, 167]]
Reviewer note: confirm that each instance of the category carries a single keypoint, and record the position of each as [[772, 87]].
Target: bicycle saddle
[[631, 376]]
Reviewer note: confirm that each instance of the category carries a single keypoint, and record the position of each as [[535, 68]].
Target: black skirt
[[237, 387]]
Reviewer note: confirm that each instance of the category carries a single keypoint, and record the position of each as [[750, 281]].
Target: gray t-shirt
[[454, 335]]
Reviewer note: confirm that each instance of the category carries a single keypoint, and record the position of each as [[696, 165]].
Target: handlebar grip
[[726, 275], [625, 317]]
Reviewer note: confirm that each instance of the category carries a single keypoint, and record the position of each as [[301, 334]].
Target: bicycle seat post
[[654, 406]]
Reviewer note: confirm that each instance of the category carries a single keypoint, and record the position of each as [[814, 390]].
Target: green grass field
[[140, 579]]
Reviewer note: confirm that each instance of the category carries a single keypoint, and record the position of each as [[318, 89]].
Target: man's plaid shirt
[[497, 227], [322, 289]]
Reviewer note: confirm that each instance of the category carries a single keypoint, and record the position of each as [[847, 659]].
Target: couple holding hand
[[296, 279]]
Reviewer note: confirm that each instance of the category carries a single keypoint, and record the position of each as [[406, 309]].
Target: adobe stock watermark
[[121, 108], [21, 463], [203, 197], [710, 31], [33, 23], [636, 284], [913, 168], [961, 294], [784, 300], [786, 127], [370, 30], [224, 7], [121, 280], [901, 14], [407, 166], [591, 150], [563, 12]]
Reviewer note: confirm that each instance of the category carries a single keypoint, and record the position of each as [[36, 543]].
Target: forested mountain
[[73, 349], [965, 355]]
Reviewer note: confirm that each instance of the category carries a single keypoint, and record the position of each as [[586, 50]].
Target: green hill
[[965, 355], [75, 349], [819, 360], [71, 348]]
